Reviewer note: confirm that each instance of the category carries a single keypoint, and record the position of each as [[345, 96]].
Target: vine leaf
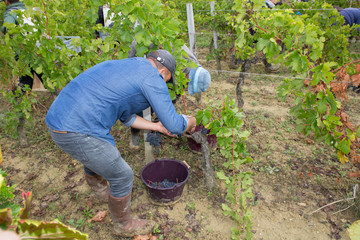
[[343, 146], [339, 88]]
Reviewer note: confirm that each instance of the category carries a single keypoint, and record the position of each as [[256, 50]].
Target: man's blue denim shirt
[[117, 89]]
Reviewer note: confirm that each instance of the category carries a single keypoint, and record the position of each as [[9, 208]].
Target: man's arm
[[141, 123], [8, 18]]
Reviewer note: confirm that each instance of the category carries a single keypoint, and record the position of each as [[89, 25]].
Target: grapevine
[[313, 46]]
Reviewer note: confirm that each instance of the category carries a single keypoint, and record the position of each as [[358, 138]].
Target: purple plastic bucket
[[159, 170], [211, 139]]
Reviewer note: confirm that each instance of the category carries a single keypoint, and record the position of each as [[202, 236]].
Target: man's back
[[10, 16], [351, 15], [112, 90]]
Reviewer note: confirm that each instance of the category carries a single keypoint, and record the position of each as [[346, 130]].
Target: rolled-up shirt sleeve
[[130, 121], [186, 119]]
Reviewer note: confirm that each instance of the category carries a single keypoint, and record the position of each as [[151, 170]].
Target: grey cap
[[166, 59]]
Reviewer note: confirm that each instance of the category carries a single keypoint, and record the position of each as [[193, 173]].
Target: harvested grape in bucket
[[163, 184]]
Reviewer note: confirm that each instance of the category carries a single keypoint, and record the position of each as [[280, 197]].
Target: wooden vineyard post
[[198, 98], [149, 157], [212, 9], [191, 27], [37, 84]]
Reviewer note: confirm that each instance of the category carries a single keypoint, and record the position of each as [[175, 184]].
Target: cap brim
[[172, 80]]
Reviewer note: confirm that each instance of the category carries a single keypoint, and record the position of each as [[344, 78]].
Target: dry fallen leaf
[[355, 79], [357, 67], [99, 217], [353, 174], [142, 237]]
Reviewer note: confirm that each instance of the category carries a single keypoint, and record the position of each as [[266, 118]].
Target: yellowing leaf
[[343, 159], [31, 229], [354, 230], [5, 215]]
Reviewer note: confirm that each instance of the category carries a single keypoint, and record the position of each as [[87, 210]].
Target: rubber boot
[[99, 186], [124, 224]]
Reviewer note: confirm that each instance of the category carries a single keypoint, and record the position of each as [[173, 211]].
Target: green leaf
[[261, 44], [226, 209], [5, 217], [344, 146], [354, 230], [222, 176], [53, 230], [322, 107]]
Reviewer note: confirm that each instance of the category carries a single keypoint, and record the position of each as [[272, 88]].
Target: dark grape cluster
[[205, 130], [164, 184], [154, 138]]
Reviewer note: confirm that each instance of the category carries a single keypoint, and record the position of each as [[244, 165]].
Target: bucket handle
[[186, 164]]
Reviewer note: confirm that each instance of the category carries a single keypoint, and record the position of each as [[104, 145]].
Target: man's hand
[[191, 124], [160, 128], [8, 235]]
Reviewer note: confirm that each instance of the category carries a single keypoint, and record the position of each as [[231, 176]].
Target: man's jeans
[[99, 157]]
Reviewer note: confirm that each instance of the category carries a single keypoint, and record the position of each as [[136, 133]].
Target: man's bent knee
[[122, 185]]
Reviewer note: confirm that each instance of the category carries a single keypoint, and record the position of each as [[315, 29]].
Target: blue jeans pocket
[[74, 148]]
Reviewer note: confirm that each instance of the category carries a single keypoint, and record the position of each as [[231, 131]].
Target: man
[[198, 85], [351, 16], [9, 235], [10, 17], [81, 117], [200, 80], [270, 3], [269, 67]]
